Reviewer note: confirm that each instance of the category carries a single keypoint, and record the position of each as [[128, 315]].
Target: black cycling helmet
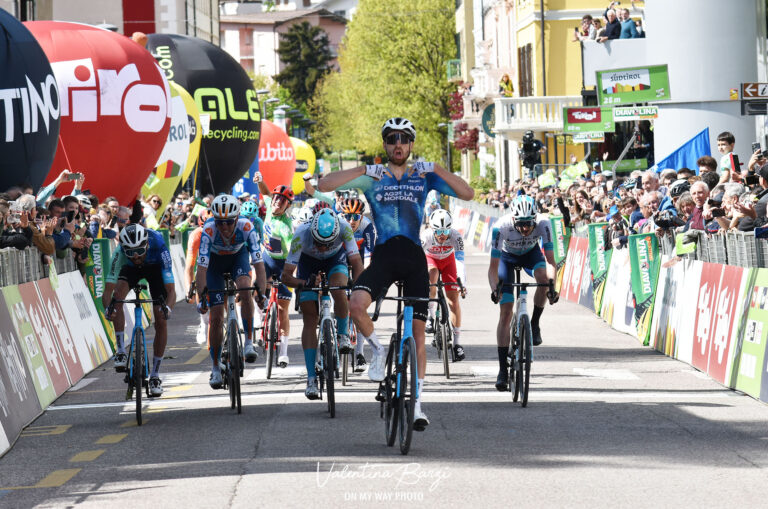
[[678, 187]]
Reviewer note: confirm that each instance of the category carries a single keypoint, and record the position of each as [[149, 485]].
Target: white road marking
[[82, 383], [277, 373], [180, 378]]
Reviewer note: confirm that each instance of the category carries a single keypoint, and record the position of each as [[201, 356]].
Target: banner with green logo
[[627, 165], [749, 359], [588, 120], [632, 85], [626, 113], [96, 271], [599, 260], [644, 262], [561, 237]]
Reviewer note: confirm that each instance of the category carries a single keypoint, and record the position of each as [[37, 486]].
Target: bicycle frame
[[272, 302], [137, 316]]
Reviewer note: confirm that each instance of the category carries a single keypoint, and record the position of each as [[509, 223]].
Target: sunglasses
[[442, 231], [159, 202], [135, 251], [227, 222], [353, 217], [396, 138], [523, 224]]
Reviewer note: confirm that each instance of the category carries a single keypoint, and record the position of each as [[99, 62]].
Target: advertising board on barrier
[[662, 332], [599, 260], [644, 266], [561, 238], [746, 375], [574, 266], [83, 319], [59, 329], [616, 303]]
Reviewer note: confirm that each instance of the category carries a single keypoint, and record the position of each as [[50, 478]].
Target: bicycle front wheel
[[138, 370], [445, 347], [271, 340], [407, 386], [391, 410], [524, 369], [329, 365], [233, 367]]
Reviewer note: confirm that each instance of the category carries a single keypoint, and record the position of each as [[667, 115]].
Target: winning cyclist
[[515, 243], [365, 236], [396, 193], [142, 254], [225, 245], [444, 248], [278, 233], [323, 245]]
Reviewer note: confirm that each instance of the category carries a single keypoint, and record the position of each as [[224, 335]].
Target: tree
[[304, 51], [392, 63]]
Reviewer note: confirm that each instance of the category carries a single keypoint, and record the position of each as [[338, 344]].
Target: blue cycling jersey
[[157, 254], [365, 236], [397, 206]]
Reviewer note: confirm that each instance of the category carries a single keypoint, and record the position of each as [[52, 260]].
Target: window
[[525, 71]]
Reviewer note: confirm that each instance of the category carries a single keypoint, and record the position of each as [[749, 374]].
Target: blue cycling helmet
[[249, 209], [325, 227]]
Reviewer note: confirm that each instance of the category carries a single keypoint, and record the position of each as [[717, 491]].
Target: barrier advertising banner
[[478, 230], [76, 367], [725, 322], [83, 319], [644, 265], [561, 238], [586, 295], [574, 266], [617, 307], [599, 260], [665, 308], [177, 258], [96, 271]]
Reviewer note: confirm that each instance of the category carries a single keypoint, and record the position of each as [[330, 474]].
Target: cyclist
[[396, 193], [250, 210], [444, 248], [433, 203], [325, 244], [515, 243], [225, 244], [365, 237], [142, 254], [278, 233]]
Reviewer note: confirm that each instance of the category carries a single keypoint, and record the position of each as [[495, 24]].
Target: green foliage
[[482, 185], [392, 63], [305, 52]]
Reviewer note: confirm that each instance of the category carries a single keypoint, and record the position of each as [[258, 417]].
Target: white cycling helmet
[[304, 215], [440, 218], [133, 236], [398, 124], [225, 206], [523, 208], [325, 227]]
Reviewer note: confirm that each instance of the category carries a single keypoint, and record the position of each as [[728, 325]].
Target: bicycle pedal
[[120, 369]]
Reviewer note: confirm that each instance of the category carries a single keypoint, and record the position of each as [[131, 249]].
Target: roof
[[280, 17]]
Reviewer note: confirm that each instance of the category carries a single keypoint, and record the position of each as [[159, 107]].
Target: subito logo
[[87, 93], [275, 152]]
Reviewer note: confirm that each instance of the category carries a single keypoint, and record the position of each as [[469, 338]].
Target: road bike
[[520, 353], [270, 329], [443, 335], [348, 358], [398, 391], [137, 374]]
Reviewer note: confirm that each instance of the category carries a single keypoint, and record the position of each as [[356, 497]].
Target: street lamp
[[271, 100], [262, 91], [447, 145]]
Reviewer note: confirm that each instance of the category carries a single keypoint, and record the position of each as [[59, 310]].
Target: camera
[[714, 203], [751, 180], [666, 219], [718, 212]]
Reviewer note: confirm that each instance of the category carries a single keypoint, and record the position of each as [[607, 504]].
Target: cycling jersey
[[304, 243], [213, 243], [365, 236], [453, 247], [397, 206], [506, 240], [278, 232], [193, 246], [157, 254]]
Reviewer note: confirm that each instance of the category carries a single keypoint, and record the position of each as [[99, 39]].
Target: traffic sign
[[754, 90]]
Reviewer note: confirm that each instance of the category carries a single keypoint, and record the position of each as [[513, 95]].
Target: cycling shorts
[[309, 265], [275, 267], [238, 264], [398, 259], [153, 273], [447, 268], [530, 261]]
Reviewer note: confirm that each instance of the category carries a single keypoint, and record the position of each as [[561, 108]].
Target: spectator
[[667, 177], [700, 194], [587, 32], [706, 164], [113, 204], [48, 191], [612, 28], [42, 237], [620, 227], [711, 179], [725, 144], [582, 207], [599, 30], [755, 212], [506, 88], [9, 236], [628, 28], [650, 184], [685, 206], [756, 161]]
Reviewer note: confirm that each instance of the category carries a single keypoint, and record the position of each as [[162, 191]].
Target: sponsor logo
[[31, 105], [643, 255], [278, 152], [584, 115], [220, 105]]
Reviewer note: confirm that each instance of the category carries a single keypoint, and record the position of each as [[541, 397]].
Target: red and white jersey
[[453, 246]]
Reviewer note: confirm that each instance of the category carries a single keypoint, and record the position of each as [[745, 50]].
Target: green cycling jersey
[[278, 233]]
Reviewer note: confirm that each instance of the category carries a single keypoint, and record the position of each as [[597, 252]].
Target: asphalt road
[[609, 423]]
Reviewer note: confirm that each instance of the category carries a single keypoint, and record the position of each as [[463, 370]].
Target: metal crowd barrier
[[22, 266]]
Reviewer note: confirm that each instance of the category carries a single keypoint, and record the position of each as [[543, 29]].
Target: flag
[[686, 155]]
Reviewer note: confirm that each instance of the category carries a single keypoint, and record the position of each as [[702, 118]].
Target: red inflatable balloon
[[115, 107], [277, 159]]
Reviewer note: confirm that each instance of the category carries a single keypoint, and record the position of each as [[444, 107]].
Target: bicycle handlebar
[[551, 294]]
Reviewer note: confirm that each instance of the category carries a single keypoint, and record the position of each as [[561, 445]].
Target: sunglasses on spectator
[[159, 202], [353, 217], [396, 138], [227, 222], [130, 252], [442, 231]]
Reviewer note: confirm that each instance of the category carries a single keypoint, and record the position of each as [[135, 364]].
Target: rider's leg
[[455, 308], [433, 273], [539, 301], [309, 335], [340, 303], [161, 339], [283, 306], [359, 303], [246, 307], [506, 309], [216, 334]]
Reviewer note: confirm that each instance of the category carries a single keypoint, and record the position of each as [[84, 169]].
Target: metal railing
[[535, 113], [25, 265]]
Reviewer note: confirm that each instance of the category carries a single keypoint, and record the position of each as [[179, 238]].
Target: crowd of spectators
[[616, 23]]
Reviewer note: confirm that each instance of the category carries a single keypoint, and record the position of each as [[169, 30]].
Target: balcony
[[615, 54], [485, 81], [518, 114]]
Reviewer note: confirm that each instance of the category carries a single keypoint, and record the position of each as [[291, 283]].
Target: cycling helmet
[[440, 218], [225, 206], [285, 192], [84, 201], [678, 187], [523, 208], [325, 227], [398, 124], [304, 215], [249, 209], [133, 236], [320, 206], [353, 206], [630, 183]]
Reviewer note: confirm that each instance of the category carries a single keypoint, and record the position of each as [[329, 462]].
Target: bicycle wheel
[[271, 339], [407, 372], [524, 364], [391, 410], [138, 370], [445, 347], [233, 367], [344, 368], [512, 359], [329, 364]]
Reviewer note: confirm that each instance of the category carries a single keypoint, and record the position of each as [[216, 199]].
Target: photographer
[[65, 176], [530, 152], [9, 236], [620, 227], [754, 210], [41, 230]]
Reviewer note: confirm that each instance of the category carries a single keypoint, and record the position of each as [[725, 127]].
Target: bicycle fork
[[407, 333], [521, 308]]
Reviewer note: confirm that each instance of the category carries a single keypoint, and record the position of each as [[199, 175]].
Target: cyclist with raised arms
[[515, 243], [396, 193], [444, 248], [278, 233], [142, 254], [229, 244], [326, 244]]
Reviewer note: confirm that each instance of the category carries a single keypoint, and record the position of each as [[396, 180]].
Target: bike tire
[[446, 331], [329, 365], [138, 370], [230, 372], [512, 357], [391, 410], [408, 387], [524, 369], [271, 340], [344, 368], [235, 365]]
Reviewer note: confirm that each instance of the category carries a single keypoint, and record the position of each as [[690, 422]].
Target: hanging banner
[[561, 238], [584, 120], [632, 85], [596, 137], [599, 261], [625, 113], [644, 265], [628, 165]]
